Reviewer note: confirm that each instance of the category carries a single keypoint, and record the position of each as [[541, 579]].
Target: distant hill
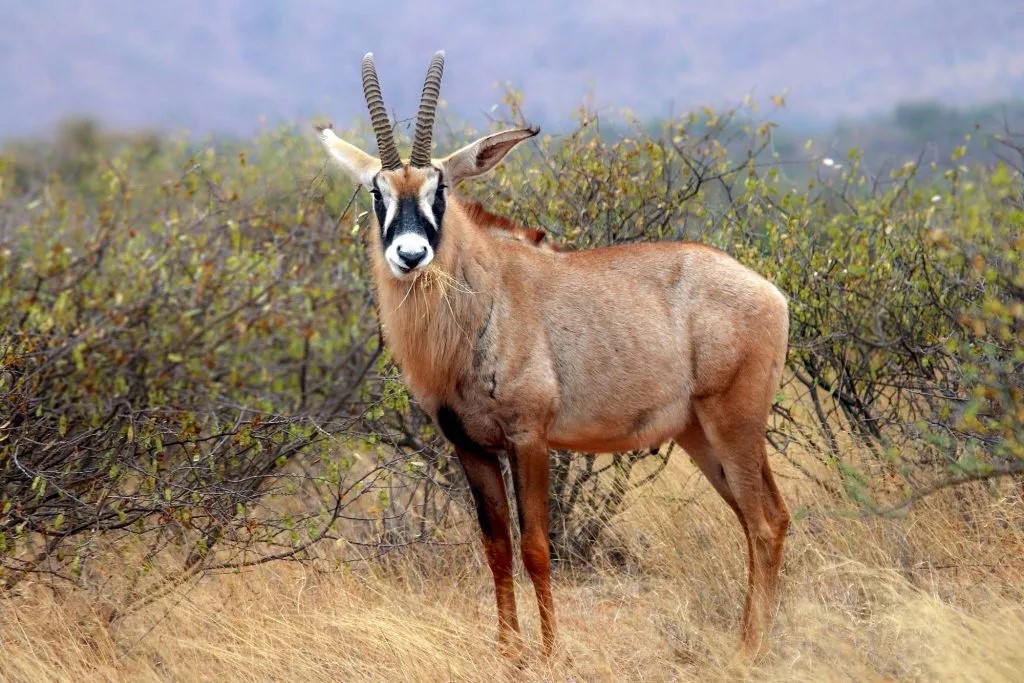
[[219, 66]]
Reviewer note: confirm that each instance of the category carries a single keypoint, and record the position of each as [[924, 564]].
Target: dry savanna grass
[[936, 594]]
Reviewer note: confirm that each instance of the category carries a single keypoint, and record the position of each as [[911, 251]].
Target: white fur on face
[[427, 193], [411, 243], [390, 203]]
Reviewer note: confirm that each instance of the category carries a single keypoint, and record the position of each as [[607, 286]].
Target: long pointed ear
[[359, 165], [481, 156]]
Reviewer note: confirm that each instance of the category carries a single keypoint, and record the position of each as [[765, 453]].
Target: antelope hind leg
[[740, 456]]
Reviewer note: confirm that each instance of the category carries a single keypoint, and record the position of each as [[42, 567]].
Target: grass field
[[936, 594]]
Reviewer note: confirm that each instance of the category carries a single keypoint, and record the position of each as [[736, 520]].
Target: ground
[[937, 593]]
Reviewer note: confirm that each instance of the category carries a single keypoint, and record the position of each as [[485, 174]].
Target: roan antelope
[[517, 349]]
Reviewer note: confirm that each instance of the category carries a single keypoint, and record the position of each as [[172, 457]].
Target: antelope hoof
[[751, 651], [512, 650]]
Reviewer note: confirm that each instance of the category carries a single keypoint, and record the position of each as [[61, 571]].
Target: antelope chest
[[460, 388]]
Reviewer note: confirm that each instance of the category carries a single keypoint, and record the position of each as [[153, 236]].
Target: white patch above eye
[[390, 211], [384, 185], [427, 194], [390, 204]]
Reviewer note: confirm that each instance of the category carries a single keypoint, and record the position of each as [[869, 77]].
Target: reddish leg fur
[[727, 443], [725, 439], [483, 472], [530, 471]]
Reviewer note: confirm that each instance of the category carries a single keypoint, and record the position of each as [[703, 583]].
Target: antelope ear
[[481, 156], [359, 165]]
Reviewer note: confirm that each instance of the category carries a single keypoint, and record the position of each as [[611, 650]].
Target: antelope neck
[[431, 323]]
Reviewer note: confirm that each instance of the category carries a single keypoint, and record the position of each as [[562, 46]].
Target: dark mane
[[483, 218]]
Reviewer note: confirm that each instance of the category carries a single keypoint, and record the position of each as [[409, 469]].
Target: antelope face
[[409, 198], [409, 204]]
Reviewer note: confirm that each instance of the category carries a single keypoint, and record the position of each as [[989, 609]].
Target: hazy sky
[[210, 65]]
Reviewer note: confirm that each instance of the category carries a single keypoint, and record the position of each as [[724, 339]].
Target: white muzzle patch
[[408, 253]]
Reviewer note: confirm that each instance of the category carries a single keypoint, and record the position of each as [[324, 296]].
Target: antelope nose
[[412, 256]]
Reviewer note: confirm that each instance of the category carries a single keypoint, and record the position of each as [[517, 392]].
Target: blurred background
[[232, 66]]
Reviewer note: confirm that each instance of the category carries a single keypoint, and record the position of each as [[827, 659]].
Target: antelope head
[[410, 198]]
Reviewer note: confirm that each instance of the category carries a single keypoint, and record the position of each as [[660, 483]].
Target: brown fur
[[597, 351], [516, 349]]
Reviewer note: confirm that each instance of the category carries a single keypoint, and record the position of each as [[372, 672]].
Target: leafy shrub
[[190, 357], [186, 348]]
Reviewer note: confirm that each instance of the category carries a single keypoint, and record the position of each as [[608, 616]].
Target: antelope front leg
[[483, 472], [530, 471]]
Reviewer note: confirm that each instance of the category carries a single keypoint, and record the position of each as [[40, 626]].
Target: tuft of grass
[[936, 594]]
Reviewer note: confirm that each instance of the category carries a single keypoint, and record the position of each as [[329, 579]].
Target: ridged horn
[[425, 118], [386, 148]]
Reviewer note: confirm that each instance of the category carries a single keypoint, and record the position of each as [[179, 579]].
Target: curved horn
[[425, 118], [386, 148]]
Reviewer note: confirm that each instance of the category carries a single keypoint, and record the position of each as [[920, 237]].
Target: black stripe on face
[[378, 204], [408, 219], [408, 215], [440, 202]]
